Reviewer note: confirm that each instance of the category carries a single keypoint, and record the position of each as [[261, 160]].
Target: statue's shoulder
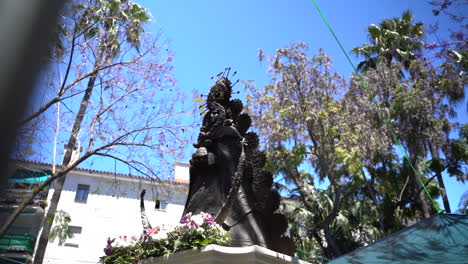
[[226, 131]]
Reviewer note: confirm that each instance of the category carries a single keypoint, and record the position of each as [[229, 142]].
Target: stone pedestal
[[214, 254]]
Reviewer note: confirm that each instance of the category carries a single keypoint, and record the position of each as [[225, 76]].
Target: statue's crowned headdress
[[220, 92]]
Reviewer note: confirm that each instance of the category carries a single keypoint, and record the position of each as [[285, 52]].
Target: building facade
[[103, 205]]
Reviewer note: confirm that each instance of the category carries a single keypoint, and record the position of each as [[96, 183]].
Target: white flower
[[160, 235], [198, 219], [125, 241], [122, 243]]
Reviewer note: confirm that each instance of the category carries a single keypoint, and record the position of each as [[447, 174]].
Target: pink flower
[[152, 231], [207, 218], [168, 77], [186, 218]]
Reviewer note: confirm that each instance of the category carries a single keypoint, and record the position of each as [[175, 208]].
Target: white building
[[103, 204]]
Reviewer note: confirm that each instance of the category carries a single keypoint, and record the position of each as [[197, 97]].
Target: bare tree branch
[[58, 98]]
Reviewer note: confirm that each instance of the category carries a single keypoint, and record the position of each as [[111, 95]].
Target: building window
[[74, 241], [82, 193], [160, 205], [76, 229]]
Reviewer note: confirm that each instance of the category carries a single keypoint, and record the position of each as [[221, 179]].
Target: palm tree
[[396, 38], [399, 39]]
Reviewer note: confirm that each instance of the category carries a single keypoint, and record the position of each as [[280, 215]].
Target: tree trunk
[[332, 248], [332, 244], [317, 238], [44, 238], [444, 192], [421, 201], [435, 155], [423, 204], [373, 195]]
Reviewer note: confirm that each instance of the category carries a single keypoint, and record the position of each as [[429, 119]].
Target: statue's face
[[218, 94], [214, 115]]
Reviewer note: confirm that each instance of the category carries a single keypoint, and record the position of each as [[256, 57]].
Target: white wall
[[112, 209], [181, 172]]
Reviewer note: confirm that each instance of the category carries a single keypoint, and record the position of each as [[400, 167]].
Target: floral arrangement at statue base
[[194, 231]]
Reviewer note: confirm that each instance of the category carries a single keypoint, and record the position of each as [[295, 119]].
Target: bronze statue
[[227, 178]]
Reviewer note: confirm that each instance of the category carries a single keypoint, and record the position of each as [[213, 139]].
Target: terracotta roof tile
[[38, 163]]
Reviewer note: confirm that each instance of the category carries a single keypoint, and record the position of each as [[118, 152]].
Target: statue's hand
[[202, 158]]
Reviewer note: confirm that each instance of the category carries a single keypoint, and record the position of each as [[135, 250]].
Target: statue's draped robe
[[209, 186]]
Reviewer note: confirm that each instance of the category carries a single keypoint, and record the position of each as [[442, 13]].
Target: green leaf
[[374, 31], [92, 32], [437, 165], [61, 230]]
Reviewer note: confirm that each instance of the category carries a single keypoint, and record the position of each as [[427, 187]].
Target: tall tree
[[419, 103], [452, 51], [300, 116], [408, 118], [117, 92]]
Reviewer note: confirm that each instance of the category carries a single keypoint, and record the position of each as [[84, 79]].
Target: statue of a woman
[[219, 181]]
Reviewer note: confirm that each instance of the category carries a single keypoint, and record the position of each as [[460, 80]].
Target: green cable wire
[[381, 115]]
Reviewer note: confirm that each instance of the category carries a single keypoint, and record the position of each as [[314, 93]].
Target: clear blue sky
[[207, 36]]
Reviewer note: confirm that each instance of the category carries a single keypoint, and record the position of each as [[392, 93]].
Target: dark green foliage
[[457, 155]]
